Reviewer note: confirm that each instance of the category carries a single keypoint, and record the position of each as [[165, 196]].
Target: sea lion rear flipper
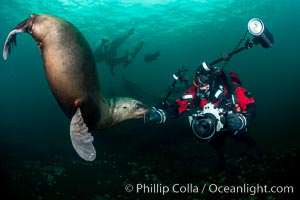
[[82, 140], [11, 39]]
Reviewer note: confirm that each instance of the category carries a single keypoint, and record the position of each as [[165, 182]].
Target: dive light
[[260, 33], [261, 36]]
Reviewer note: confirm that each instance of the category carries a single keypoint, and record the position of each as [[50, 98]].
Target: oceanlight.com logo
[[210, 188]]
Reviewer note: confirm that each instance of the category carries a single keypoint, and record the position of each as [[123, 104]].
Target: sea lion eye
[[138, 106], [124, 107]]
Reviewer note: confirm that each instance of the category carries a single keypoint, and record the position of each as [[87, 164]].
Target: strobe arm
[[177, 77], [226, 56]]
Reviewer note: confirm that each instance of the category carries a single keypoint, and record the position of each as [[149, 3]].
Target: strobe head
[[260, 33]]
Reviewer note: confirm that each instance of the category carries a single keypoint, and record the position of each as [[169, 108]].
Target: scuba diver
[[218, 107], [217, 104]]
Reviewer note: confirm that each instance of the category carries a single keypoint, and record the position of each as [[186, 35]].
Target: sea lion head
[[129, 108], [124, 108]]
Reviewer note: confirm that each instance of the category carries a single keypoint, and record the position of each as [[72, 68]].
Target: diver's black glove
[[236, 121], [155, 115]]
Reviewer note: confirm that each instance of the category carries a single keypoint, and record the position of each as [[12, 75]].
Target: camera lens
[[204, 127]]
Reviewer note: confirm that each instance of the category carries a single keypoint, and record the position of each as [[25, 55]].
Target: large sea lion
[[72, 76]]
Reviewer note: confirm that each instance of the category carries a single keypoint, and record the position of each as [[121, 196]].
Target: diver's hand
[[155, 115], [236, 121]]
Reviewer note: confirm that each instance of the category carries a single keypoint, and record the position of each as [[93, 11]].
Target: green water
[[38, 161]]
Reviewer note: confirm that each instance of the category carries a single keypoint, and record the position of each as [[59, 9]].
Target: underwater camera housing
[[205, 123]]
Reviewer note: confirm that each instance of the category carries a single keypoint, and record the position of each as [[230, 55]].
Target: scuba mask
[[202, 76], [201, 82]]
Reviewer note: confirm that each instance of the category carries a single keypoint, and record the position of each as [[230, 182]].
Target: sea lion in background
[[151, 56], [107, 51], [134, 90], [133, 52], [112, 62], [114, 44], [72, 76], [99, 53]]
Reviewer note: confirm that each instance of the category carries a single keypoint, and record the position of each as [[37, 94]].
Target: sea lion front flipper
[[82, 140]]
